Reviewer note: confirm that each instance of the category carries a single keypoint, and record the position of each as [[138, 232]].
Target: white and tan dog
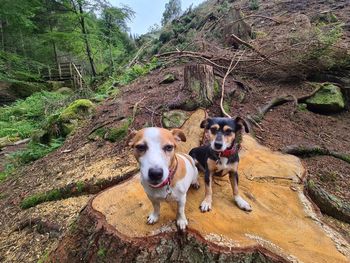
[[165, 175]]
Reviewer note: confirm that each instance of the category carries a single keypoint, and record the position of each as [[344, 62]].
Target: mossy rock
[[168, 78], [329, 99], [174, 118], [79, 109], [61, 125]]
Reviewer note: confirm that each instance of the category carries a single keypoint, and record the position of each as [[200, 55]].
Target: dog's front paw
[[152, 219], [182, 223], [242, 204], [205, 206]]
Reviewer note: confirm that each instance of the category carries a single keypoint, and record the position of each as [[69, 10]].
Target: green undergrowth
[[124, 76], [33, 118], [24, 117]]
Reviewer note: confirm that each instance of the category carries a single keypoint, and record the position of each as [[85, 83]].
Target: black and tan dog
[[220, 156]]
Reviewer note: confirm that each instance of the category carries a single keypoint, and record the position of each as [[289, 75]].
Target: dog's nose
[[218, 145], [155, 174]]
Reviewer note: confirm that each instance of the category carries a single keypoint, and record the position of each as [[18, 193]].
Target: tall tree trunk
[[111, 56], [54, 47], [2, 36], [86, 40]]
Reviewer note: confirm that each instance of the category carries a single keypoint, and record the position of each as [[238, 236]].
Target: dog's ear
[[241, 123], [204, 124], [129, 139], [178, 135]]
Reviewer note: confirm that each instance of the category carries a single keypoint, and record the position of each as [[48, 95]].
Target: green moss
[[80, 186], [44, 257], [101, 253], [36, 199], [328, 99], [216, 88], [302, 107], [3, 176], [227, 107], [174, 119], [77, 110]]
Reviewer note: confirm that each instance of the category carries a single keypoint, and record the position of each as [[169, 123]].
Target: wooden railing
[[65, 71]]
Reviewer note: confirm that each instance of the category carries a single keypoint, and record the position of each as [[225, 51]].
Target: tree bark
[[80, 12], [199, 82], [92, 239], [328, 204]]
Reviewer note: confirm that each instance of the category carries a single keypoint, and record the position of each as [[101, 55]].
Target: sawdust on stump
[[281, 227]]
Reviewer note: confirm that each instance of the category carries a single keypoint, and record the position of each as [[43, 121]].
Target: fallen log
[[328, 203], [309, 151], [112, 227]]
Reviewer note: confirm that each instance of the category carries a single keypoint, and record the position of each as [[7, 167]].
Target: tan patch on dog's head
[[229, 135], [136, 141], [212, 131]]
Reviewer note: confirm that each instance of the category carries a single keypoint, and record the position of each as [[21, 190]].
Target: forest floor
[[83, 160]]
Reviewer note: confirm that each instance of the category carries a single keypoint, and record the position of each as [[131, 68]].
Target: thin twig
[[229, 70]]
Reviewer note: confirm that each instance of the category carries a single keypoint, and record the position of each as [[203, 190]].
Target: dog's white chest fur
[[222, 164]]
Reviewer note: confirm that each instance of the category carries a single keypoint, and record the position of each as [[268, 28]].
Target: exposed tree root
[[308, 151], [328, 204], [259, 116], [74, 189]]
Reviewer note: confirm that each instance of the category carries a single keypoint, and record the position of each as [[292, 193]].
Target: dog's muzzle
[[155, 174]]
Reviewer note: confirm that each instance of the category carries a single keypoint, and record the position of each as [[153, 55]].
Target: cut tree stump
[[199, 82], [282, 227]]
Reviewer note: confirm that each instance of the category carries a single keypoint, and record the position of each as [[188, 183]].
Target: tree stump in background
[[233, 25], [199, 82]]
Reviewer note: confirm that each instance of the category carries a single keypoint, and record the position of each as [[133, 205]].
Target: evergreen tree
[[172, 11]]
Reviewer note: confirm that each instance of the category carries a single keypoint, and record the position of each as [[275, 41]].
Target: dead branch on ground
[[309, 151]]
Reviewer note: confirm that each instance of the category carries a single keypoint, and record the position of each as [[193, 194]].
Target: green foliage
[[24, 117], [136, 71], [253, 4], [3, 176], [166, 35], [172, 11], [34, 151], [321, 54]]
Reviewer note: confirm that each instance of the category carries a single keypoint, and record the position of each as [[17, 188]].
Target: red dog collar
[[168, 180], [229, 152]]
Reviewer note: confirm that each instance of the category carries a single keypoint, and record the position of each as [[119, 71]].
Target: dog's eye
[[213, 130], [141, 147], [168, 148], [228, 132]]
